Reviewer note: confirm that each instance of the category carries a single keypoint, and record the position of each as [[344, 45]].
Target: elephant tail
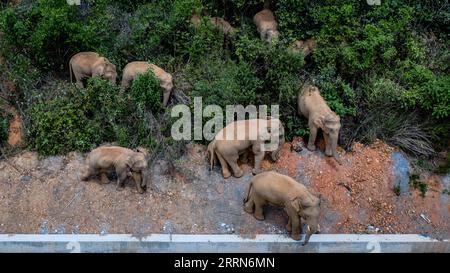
[[248, 191], [212, 154], [70, 71]]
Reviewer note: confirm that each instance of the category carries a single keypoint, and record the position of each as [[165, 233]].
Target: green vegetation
[[81, 119], [416, 183], [146, 92], [384, 69], [4, 123], [397, 190]]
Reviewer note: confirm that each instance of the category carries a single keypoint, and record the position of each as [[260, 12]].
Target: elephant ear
[[142, 150], [296, 204], [318, 122], [100, 70], [129, 163], [332, 122]]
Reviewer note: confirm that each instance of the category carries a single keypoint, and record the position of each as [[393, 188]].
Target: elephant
[[218, 23], [90, 64], [281, 190], [306, 47], [266, 24], [239, 136], [125, 162], [320, 116], [133, 69]]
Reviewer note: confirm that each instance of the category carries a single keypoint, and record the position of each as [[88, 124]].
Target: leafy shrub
[[225, 83], [158, 26], [48, 32], [60, 126], [417, 184], [203, 41], [80, 119], [4, 124], [383, 69], [146, 91]]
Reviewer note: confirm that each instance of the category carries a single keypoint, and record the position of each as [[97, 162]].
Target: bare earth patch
[[47, 196]]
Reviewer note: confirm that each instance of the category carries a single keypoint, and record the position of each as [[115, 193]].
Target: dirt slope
[[47, 196]]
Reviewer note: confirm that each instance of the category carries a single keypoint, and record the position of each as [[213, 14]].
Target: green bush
[[61, 125], [4, 124], [80, 119], [383, 69], [224, 83], [48, 32], [147, 92]]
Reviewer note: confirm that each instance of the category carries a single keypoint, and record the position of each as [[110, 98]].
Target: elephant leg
[[79, 79], [295, 228], [312, 138], [125, 83], [259, 211], [244, 157], [232, 161], [289, 225], [121, 177], [166, 96], [137, 177], [259, 156], [295, 223], [104, 178], [249, 206], [225, 171], [88, 172], [328, 151]]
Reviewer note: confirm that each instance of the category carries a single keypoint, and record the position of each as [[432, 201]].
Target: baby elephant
[[89, 64], [281, 190], [125, 162], [132, 69], [218, 23], [305, 47], [266, 24]]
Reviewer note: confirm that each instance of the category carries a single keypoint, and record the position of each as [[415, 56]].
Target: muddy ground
[[46, 196]]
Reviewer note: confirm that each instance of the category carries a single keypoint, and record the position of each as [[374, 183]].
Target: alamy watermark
[[259, 125], [74, 2]]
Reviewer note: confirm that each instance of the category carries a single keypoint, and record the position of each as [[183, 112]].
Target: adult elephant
[[320, 116], [259, 135], [133, 69], [90, 64]]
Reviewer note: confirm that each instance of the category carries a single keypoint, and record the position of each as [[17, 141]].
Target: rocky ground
[[46, 196]]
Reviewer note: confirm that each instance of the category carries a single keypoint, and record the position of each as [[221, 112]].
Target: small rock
[[25, 179], [372, 230], [43, 229], [220, 188]]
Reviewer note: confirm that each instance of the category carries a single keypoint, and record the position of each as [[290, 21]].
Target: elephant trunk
[[276, 153], [334, 151], [248, 192], [144, 178], [309, 232], [211, 152]]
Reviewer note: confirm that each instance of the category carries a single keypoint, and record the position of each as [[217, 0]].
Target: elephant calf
[[319, 115], [133, 69], [219, 23], [90, 64], [125, 162], [281, 190], [266, 24], [306, 47], [239, 136]]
